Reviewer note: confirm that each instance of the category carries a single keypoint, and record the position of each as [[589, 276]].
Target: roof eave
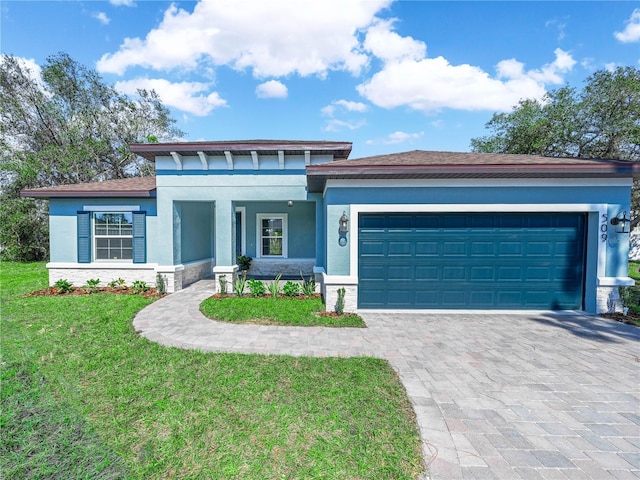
[[92, 194]]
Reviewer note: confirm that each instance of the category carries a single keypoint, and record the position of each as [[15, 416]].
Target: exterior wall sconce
[[344, 224], [621, 222]]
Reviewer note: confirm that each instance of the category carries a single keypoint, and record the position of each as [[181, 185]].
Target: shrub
[[274, 287], [308, 286], [118, 282], [239, 284], [340, 303], [160, 284], [244, 263], [222, 280], [291, 289], [139, 286], [256, 287], [92, 285], [63, 285]]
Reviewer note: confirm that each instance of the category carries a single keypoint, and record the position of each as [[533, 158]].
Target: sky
[[389, 76]]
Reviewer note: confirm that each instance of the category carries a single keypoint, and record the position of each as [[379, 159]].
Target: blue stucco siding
[[63, 224], [478, 195], [301, 219], [196, 231], [338, 256]]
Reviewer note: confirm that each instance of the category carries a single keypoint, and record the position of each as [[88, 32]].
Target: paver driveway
[[496, 396]]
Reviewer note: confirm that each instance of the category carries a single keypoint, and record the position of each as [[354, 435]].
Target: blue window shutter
[[139, 237], [84, 237]]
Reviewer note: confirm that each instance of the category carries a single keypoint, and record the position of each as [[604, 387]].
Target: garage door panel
[[400, 248], [515, 261], [400, 272]]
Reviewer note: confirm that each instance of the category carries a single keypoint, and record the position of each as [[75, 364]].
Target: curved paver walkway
[[496, 396]]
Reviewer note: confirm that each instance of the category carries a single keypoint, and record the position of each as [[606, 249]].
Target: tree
[[61, 127], [601, 121]]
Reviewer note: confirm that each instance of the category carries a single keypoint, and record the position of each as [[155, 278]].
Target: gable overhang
[[339, 150], [317, 175]]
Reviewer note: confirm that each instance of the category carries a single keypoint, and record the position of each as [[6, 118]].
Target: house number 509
[[603, 227]]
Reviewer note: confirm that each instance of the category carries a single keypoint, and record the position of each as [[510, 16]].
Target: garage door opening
[[471, 261]]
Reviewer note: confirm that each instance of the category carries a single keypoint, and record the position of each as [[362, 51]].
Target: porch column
[[224, 243]]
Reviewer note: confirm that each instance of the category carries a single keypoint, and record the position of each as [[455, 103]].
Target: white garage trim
[[356, 209]]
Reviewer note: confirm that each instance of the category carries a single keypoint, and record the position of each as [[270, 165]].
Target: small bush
[[340, 303], [63, 285], [291, 289], [239, 284], [118, 282], [244, 263], [160, 284], [139, 286], [274, 287], [256, 287], [308, 286], [222, 280], [92, 285]]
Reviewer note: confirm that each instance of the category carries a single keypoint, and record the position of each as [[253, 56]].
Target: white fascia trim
[[111, 208], [480, 182], [356, 209], [103, 265], [616, 282]]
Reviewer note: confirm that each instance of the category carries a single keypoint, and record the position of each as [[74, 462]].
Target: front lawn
[[83, 396], [275, 311]]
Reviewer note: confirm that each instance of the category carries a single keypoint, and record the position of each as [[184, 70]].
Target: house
[[413, 230]]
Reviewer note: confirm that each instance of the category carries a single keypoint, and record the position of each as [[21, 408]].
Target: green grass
[[84, 397], [634, 270], [275, 311]]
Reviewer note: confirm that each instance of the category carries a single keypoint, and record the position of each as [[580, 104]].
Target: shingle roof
[[243, 147], [427, 164], [125, 187]]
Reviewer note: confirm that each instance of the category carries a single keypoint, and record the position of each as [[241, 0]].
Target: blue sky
[[388, 76]]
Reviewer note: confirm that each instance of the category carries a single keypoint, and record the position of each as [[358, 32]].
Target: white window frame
[[95, 237], [285, 233]]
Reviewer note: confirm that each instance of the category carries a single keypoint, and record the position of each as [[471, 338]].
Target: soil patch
[[630, 318], [83, 292]]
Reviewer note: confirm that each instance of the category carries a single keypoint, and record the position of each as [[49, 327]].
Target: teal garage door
[[472, 261]]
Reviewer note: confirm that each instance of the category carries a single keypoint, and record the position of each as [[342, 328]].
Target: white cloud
[[610, 67], [122, 3], [272, 89], [335, 125], [431, 84], [188, 97], [274, 38], [631, 32], [401, 137], [396, 138], [102, 18], [388, 46], [348, 105], [437, 123]]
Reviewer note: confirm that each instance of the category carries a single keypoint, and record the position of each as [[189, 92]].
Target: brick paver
[[503, 396]]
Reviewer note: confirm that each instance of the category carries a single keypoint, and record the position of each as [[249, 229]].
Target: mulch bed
[[83, 292], [630, 318]]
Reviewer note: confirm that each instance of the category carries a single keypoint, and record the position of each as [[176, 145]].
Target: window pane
[[113, 235], [272, 246]]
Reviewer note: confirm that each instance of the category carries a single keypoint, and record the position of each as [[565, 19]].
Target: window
[[113, 235], [272, 235]]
